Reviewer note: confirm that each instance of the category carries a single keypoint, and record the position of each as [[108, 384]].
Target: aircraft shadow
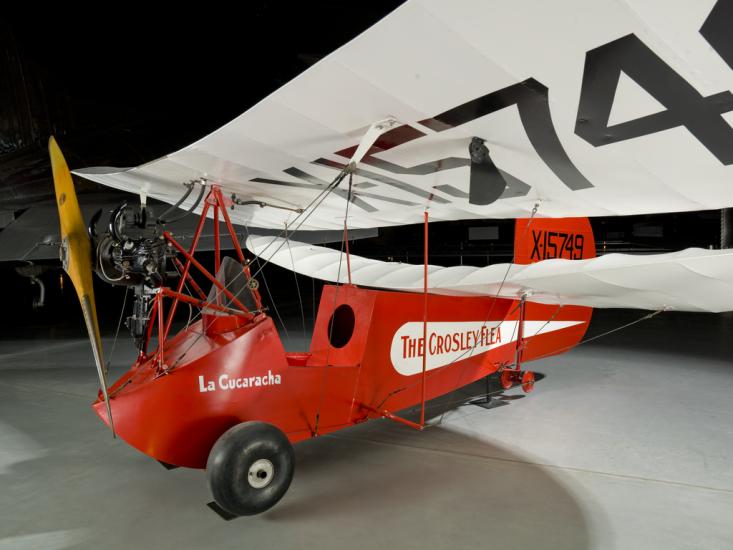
[[376, 485], [432, 484]]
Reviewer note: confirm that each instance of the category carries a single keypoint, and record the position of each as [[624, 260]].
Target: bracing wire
[[190, 307], [315, 203], [604, 334], [551, 353], [267, 288], [501, 285], [308, 210], [335, 300], [297, 284], [306, 213], [588, 340], [495, 298], [117, 332]]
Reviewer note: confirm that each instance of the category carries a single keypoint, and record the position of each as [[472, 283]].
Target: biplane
[[544, 112]]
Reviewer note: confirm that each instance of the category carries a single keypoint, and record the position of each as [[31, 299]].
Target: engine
[[132, 252]]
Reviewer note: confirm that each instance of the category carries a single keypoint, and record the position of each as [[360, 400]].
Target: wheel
[[528, 381], [507, 378], [250, 468]]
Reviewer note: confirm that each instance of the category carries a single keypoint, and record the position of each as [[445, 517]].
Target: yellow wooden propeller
[[76, 257]]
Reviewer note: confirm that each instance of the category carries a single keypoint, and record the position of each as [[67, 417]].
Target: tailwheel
[[511, 377], [528, 381], [250, 468]]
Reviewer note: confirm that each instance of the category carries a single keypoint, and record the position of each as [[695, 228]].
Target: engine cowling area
[[132, 251]]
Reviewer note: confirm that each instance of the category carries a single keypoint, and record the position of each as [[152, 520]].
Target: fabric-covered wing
[[691, 280], [589, 108]]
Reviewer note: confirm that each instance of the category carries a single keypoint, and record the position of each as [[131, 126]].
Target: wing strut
[[424, 322], [370, 138]]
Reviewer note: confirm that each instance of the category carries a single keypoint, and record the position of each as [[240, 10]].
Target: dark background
[[129, 85]]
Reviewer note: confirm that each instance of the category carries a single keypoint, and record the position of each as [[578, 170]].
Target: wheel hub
[[261, 473]]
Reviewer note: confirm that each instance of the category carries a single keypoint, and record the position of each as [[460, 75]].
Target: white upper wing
[[690, 280], [589, 107]]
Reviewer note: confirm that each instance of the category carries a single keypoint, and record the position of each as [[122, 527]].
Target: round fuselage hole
[[341, 326]]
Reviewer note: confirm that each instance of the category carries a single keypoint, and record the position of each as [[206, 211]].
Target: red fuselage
[[364, 361]]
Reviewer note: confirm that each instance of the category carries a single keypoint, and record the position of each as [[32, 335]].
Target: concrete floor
[[626, 443]]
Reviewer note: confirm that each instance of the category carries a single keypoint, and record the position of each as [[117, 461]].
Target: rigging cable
[[190, 307], [267, 288], [566, 348], [498, 292], [297, 284], [308, 211], [117, 332], [601, 335], [332, 323], [322, 196], [319, 200], [486, 320], [466, 399]]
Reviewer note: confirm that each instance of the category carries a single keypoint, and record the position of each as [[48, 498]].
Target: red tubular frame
[[424, 322], [184, 275], [348, 256], [149, 332], [191, 260], [216, 200], [513, 374], [520, 335], [386, 414], [161, 331], [233, 234], [203, 303], [217, 250], [175, 418], [190, 279]]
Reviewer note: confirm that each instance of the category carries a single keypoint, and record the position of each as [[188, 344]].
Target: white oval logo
[[449, 342]]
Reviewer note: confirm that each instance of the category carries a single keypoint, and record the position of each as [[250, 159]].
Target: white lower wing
[[691, 280]]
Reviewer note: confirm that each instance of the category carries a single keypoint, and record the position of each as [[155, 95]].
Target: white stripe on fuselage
[[449, 342]]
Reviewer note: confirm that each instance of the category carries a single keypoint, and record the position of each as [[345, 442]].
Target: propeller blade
[[76, 258]]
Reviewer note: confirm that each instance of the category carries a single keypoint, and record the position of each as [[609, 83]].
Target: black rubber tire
[[232, 457]]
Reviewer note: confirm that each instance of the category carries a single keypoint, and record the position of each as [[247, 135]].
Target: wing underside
[[691, 280], [587, 108]]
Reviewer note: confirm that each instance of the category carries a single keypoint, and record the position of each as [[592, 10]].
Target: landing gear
[[511, 377], [527, 381], [250, 468], [508, 377]]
